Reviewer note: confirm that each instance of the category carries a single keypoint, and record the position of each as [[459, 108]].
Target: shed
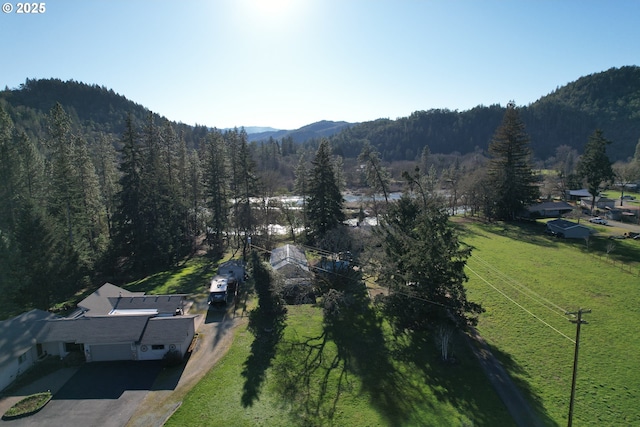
[[291, 263], [548, 210], [568, 229], [234, 268], [601, 202]]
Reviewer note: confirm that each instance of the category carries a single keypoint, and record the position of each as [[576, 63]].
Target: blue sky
[[288, 63]]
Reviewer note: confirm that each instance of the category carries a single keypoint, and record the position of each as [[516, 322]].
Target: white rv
[[218, 290]]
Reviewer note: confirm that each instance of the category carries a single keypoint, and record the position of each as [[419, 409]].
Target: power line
[[516, 303], [539, 299]]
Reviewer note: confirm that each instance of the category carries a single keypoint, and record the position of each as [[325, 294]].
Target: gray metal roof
[[167, 329], [94, 330], [288, 254], [565, 225], [550, 206], [17, 335], [164, 304], [98, 303]]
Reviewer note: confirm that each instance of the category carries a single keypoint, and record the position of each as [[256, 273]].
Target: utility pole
[[578, 322]]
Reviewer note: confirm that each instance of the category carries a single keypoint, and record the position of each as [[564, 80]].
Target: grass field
[[355, 376], [526, 280]]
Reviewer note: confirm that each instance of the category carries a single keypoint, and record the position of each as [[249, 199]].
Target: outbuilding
[[568, 229]]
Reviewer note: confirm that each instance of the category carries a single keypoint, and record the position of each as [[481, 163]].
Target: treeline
[[609, 101], [96, 109], [124, 206]]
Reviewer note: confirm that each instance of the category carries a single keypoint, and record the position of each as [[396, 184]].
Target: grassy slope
[[540, 358], [307, 383]]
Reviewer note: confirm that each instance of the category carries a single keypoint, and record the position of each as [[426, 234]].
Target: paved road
[[627, 226]]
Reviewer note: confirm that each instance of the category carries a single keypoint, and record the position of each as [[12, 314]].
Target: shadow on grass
[[311, 374], [189, 278], [461, 383], [266, 323], [516, 372]]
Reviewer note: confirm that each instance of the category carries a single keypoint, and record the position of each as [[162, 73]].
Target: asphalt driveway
[[99, 394]]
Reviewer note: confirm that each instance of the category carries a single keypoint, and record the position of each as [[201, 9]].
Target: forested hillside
[[323, 128], [93, 108], [94, 186], [609, 100]]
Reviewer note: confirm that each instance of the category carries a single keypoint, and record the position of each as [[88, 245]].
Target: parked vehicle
[[627, 197], [218, 290], [598, 220]]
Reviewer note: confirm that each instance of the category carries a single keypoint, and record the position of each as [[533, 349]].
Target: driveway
[[101, 394]]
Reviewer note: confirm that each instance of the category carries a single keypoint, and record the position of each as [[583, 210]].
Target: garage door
[[102, 353]]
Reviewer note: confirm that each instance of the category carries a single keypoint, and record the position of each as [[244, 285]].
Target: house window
[[157, 347], [22, 358]]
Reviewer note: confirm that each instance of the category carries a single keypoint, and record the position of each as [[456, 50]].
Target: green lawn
[[191, 277], [354, 376], [517, 272]]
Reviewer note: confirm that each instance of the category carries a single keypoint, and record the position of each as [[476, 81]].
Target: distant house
[[601, 202], [625, 213], [548, 210], [291, 263], [110, 324], [568, 229], [233, 268], [576, 195], [19, 349]]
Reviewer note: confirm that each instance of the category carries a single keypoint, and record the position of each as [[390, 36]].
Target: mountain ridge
[[608, 100]]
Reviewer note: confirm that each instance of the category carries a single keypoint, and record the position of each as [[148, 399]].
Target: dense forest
[[609, 101], [96, 187]]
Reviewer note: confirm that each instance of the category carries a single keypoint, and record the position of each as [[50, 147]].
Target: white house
[[19, 349], [110, 324]]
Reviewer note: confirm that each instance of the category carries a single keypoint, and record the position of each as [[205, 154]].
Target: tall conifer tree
[[510, 174], [324, 207], [594, 165], [216, 179]]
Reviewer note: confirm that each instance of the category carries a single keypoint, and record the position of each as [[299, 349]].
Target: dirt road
[[518, 407]]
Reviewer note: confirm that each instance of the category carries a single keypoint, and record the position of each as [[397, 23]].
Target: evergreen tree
[[107, 171], [324, 206], [92, 219], [594, 165], [216, 181], [243, 185], [164, 233], [9, 171], [194, 192], [63, 192], [301, 186], [129, 221], [45, 267], [510, 174], [32, 170], [424, 268]]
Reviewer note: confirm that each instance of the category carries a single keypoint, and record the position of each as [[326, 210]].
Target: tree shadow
[[311, 374], [516, 373], [458, 383], [266, 323], [267, 334]]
